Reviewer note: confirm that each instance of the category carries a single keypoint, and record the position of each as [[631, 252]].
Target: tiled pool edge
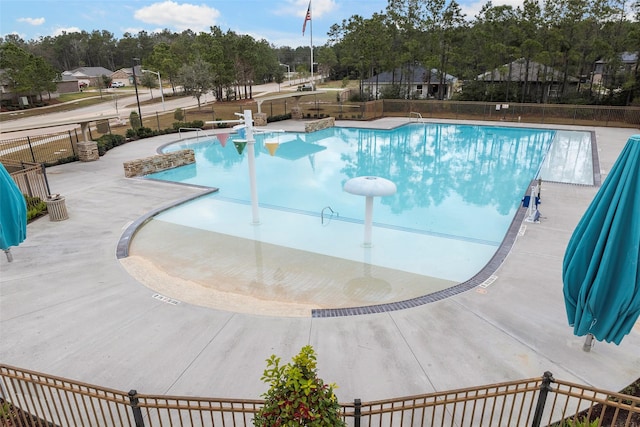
[[122, 248], [595, 161], [496, 260]]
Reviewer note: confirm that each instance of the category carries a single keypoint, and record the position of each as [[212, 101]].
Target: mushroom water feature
[[370, 187]]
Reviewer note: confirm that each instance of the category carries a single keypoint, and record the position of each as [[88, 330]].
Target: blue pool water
[[460, 181], [458, 188]]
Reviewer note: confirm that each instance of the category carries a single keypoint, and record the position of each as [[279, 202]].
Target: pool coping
[[124, 243]]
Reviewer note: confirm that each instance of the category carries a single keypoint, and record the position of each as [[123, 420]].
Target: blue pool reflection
[[454, 181]]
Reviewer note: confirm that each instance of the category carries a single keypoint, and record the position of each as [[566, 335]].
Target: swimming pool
[[458, 188]]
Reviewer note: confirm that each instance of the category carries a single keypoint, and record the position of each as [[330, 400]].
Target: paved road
[[121, 102]]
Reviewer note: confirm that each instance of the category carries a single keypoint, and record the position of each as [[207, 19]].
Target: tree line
[[569, 36]]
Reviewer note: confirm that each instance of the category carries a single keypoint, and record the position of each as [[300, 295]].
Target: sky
[[277, 21]]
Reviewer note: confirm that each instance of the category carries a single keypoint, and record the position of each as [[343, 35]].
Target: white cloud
[[473, 8], [170, 14], [14, 33], [132, 31], [32, 21], [299, 8], [58, 31]]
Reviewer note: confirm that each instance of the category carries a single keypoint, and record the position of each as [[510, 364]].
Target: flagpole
[[308, 17], [311, 44]]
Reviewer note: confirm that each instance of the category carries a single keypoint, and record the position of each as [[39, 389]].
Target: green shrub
[[297, 397], [35, 207], [578, 423], [194, 124], [145, 132], [278, 118], [222, 125], [178, 114], [61, 161], [134, 120], [108, 141], [131, 134]]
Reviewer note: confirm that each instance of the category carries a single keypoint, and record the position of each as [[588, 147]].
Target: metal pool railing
[[36, 399]]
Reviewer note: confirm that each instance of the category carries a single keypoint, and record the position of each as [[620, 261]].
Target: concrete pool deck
[[69, 308]]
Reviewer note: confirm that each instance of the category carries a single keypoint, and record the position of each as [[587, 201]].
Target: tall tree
[[444, 24], [27, 74], [164, 61], [196, 78]]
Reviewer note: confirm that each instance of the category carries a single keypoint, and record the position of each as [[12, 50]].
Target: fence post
[[357, 412], [73, 148], [43, 170], [31, 149], [545, 388], [137, 413]]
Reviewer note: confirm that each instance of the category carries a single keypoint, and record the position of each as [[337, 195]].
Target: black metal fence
[[49, 149], [586, 115], [60, 148], [36, 399], [315, 107]]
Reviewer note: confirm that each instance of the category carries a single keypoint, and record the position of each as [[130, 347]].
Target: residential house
[[414, 82], [603, 73], [531, 80], [68, 84], [5, 89], [125, 75], [90, 76]]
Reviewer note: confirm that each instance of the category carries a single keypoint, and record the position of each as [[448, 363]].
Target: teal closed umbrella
[[601, 272], [13, 213]]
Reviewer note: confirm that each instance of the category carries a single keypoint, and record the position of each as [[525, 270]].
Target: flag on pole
[[307, 17]]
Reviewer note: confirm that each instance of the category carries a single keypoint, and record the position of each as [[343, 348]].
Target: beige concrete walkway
[[69, 308]]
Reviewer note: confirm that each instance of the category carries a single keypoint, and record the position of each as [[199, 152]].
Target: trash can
[[57, 208]]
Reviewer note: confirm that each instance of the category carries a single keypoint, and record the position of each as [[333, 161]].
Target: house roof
[[129, 71], [420, 75], [625, 57], [88, 72], [68, 78], [629, 57], [537, 73]]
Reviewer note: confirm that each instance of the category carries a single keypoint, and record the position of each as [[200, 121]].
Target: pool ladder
[[198, 131], [417, 116], [330, 215]]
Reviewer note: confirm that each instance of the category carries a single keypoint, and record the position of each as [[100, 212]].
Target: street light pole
[[135, 83], [288, 72], [159, 83]]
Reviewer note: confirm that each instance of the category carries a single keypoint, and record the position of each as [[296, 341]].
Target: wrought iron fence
[[49, 149], [36, 399], [587, 115], [59, 148]]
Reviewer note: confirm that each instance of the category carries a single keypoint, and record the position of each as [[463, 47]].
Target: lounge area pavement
[[69, 308]]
